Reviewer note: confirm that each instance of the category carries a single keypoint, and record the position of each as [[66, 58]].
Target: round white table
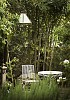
[[53, 73]]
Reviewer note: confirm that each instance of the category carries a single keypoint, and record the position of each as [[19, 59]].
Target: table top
[[42, 73]]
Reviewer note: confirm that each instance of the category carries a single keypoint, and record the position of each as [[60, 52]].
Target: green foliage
[[7, 21], [45, 89], [10, 66]]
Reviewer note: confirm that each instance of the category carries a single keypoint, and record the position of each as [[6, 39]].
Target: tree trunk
[[44, 58], [35, 60], [52, 52]]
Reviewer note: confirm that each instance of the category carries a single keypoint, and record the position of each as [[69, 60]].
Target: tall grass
[[44, 90]]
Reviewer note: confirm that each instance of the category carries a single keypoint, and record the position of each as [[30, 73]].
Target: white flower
[[64, 78], [60, 78], [66, 61]]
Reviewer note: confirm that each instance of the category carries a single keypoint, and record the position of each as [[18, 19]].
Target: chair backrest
[[28, 72]]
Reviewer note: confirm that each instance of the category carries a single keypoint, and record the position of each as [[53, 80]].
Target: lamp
[[23, 19]]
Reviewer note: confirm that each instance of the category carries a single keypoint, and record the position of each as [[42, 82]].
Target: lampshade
[[24, 19]]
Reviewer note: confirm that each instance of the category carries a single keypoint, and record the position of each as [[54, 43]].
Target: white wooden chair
[[28, 72], [28, 75]]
